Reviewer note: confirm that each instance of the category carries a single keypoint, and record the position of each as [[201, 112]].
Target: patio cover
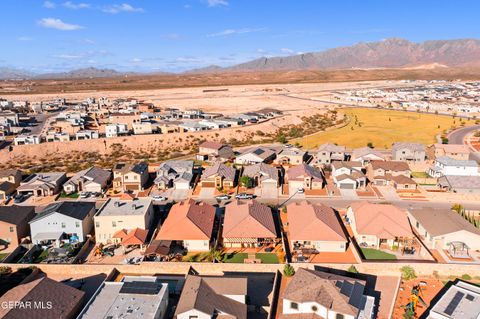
[[158, 247], [136, 236], [122, 233], [48, 236]]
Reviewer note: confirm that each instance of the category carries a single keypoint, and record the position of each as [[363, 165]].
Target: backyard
[[381, 128], [266, 258], [374, 254]]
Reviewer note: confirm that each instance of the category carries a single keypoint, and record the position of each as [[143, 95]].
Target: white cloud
[[76, 6], [227, 32], [67, 56], [136, 60], [49, 5], [287, 50], [124, 7], [24, 38], [58, 24], [216, 3], [87, 41]]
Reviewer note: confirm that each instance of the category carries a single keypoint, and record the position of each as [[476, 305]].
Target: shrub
[[466, 277], [408, 273], [352, 269], [288, 270], [5, 270]]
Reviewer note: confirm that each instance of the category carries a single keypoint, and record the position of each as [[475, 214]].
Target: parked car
[[159, 197], [20, 198], [244, 196], [222, 197], [85, 194], [300, 191]]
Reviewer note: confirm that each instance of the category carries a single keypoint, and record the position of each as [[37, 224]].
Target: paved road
[[457, 136]]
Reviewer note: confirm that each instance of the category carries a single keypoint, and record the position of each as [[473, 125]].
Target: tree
[[281, 139], [352, 269], [370, 144], [215, 255], [408, 273], [288, 270], [246, 181], [409, 314], [458, 208]]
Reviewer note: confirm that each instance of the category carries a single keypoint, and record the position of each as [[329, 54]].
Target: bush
[[408, 273], [288, 270], [466, 277], [352, 269], [5, 270]]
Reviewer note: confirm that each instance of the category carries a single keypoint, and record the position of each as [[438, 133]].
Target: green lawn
[[74, 195], [420, 175], [268, 258], [3, 255], [237, 258], [41, 256], [375, 254]]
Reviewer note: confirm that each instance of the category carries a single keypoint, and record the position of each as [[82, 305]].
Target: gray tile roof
[[448, 161], [15, 214], [440, 222], [460, 182], [415, 147], [77, 210], [221, 169]]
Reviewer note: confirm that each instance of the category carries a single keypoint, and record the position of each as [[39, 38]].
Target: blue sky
[[175, 35]]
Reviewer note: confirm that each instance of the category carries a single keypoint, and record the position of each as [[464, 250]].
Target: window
[[314, 308], [192, 317], [294, 305], [339, 316], [97, 224], [114, 223], [63, 225], [77, 224], [11, 229], [417, 224]]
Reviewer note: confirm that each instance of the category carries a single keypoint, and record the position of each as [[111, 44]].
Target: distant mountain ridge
[[389, 53]]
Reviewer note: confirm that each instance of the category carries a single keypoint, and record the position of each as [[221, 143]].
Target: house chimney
[[134, 206]]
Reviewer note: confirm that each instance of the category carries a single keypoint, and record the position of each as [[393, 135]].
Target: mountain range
[[389, 53]]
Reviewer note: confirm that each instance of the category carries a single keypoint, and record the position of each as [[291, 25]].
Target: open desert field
[[382, 128]]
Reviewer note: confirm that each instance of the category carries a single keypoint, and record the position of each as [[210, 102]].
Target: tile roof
[[338, 293], [329, 147], [382, 220], [205, 295], [263, 169], [213, 145], [16, 214], [77, 210], [188, 220], [65, 299], [440, 222], [364, 151], [221, 169], [313, 222], [248, 219], [448, 161], [453, 148], [460, 182], [261, 152], [302, 170], [390, 165], [8, 172], [416, 147]]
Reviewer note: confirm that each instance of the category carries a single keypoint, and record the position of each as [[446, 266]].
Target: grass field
[[382, 128], [375, 254]]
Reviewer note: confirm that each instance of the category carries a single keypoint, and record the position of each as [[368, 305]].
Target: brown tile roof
[[135, 236], [213, 145], [313, 222], [440, 222], [249, 219], [64, 299], [221, 169], [382, 220], [8, 172], [302, 170], [16, 215], [326, 289], [188, 220], [207, 294], [402, 179], [390, 165]]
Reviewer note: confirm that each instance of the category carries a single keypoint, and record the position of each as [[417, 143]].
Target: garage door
[[346, 186], [182, 186], [208, 184], [269, 190], [132, 187]]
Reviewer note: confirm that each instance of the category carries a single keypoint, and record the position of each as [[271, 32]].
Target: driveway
[[179, 194], [207, 192], [267, 192], [350, 194], [389, 193]]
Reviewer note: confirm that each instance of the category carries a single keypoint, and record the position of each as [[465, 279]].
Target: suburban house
[[263, 175], [177, 174], [130, 177], [219, 176], [460, 184], [93, 179], [456, 151], [213, 297], [316, 227], [214, 151], [408, 152], [380, 225], [14, 225], [190, 225], [327, 153], [318, 294], [145, 296], [117, 216], [367, 154], [445, 165], [459, 300], [291, 156], [256, 155], [444, 229], [348, 175], [27, 139], [63, 222], [248, 224], [394, 173], [65, 301], [304, 176], [42, 184], [9, 181]]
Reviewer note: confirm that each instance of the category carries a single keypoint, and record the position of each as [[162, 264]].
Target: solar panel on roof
[[346, 288], [453, 304], [356, 298], [141, 287]]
